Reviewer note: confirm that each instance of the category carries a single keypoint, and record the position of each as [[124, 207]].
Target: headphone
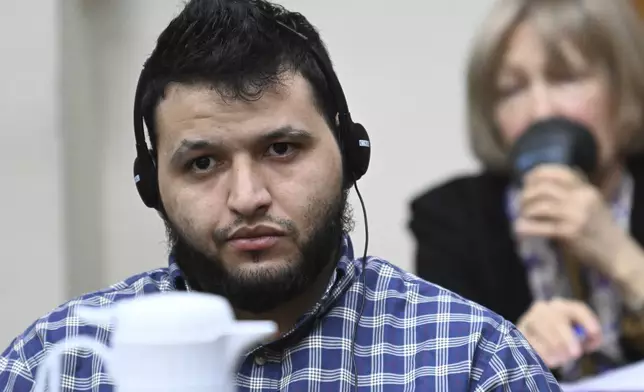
[[352, 137]]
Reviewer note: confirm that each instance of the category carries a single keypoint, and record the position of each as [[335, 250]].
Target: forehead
[[201, 111], [555, 34], [527, 53]]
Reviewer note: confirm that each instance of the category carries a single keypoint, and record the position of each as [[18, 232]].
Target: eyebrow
[[286, 132], [190, 145]]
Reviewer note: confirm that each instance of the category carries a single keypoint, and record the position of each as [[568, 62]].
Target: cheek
[[510, 122], [193, 215], [170, 195], [595, 111], [318, 178]]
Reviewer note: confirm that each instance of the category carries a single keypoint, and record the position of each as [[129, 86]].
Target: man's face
[[252, 191]]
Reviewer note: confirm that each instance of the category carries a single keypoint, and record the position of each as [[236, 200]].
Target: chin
[[267, 258], [265, 268]]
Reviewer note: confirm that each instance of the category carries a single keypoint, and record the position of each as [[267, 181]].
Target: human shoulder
[[25, 353], [452, 332], [62, 322], [457, 191], [429, 300]]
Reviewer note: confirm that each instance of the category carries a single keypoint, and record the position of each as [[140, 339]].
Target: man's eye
[[202, 164], [280, 149]]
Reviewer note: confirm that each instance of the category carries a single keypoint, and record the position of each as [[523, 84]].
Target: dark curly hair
[[238, 48]]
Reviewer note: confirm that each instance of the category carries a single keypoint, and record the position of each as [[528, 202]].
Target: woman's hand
[[549, 327], [558, 203]]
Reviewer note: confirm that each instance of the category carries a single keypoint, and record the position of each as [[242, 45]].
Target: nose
[[248, 195], [542, 102]]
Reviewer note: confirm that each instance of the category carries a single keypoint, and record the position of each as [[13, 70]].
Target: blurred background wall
[[32, 179], [73, 221]]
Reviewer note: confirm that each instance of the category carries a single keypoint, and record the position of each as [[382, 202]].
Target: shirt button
[[260, 360]]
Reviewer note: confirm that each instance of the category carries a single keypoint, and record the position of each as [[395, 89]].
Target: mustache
[[221, 235]]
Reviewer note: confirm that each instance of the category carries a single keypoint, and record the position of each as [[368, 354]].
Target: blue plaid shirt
[[413, 336]]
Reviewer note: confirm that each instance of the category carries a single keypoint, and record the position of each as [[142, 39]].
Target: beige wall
[[31, 234]]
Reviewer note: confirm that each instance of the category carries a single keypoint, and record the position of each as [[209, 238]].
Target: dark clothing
[[464, 242]]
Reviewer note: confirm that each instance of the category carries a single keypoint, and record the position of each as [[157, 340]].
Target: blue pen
[[579, 332]]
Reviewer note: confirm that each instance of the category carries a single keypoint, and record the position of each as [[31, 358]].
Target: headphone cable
[[364, 287]]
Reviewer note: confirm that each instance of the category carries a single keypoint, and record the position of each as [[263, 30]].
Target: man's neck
[[287, 314]]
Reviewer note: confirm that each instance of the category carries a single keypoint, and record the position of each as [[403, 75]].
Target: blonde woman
[[580, 299]]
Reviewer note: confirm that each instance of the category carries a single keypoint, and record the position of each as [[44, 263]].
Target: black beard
[[262, 291]]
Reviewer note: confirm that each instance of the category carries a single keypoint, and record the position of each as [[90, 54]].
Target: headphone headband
[[328, 73], [139, 126]]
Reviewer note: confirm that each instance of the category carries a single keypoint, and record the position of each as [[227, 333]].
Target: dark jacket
[[464, 242]]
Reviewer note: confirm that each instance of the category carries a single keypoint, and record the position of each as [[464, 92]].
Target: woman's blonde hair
[[608, 32]]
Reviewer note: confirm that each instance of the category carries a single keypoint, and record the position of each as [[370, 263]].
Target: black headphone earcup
[[146, 180], [357, 150]]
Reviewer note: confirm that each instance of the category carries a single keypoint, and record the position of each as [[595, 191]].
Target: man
[[245, 128]]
